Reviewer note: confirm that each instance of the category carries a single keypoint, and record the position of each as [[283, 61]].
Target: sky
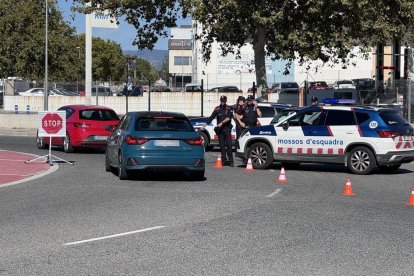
[[124, 35]]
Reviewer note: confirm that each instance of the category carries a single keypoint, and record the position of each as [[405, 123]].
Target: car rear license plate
[[166, 143], [407, 138], [100, 138]]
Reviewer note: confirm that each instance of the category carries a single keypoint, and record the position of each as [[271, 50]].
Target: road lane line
[[114, 236], [275, 192]]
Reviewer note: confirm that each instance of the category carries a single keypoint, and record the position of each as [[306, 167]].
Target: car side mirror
[[285, 125]]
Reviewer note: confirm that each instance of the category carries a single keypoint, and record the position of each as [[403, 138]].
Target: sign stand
[[51, 159], [51, 124]]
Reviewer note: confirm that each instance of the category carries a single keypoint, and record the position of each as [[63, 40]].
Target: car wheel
[[39, 143], [389, 168], [107, 163], [122, 174], [67, 144], [238, 72], [261, 156], [361, 160]]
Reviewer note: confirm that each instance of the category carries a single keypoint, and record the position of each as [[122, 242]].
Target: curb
[[18, 132]]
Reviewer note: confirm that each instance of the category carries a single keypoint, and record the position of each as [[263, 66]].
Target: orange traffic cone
[[348, 188], [249, 166], [411, 200], [282, 176], [219, 164]]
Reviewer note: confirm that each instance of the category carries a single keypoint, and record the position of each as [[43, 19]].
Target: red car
[[315, 85], [87, 126]]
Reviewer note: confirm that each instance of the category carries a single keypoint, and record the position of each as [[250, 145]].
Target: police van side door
[[342, 130], [292, 136]]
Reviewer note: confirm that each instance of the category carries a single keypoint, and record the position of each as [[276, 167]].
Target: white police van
[[210, 139], [362, 138]]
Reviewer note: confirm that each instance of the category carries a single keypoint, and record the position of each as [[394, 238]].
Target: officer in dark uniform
[[314, 101], [250, 114], [224, 115], [238, 110]]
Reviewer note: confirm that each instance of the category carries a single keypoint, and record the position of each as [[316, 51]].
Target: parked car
[[102, 90], [285, 87], [316, 85], [224, 89], [362, 138], [63, 92], [210, 139], [87, 126], [246, 68], [193, 87], [39, 92], [364, 84], [155, 141], [343, 84]]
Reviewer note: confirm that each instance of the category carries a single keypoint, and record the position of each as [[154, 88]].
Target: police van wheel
[[361, 160], [261, 156]]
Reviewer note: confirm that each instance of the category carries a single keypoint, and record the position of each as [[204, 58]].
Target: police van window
[[340, 118], [310, 118], [361, 117], [267, 111], [392, 117], [281, 116]]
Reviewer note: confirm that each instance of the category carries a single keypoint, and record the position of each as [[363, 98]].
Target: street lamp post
[[46, 88]]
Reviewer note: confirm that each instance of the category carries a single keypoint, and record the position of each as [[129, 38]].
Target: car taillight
[[81, 125], [196, 142], [136, 140], [388, 134]]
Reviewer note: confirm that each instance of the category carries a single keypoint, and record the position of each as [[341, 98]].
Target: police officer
[[250, 115], [238, 110], [314, 101], [224, 115]]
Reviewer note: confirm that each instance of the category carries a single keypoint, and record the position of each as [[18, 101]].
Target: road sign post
[[51, 124]]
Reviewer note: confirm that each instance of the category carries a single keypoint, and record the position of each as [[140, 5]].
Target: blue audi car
[[155, 141]]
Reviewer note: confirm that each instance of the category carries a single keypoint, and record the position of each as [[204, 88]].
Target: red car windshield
[[98, 115]]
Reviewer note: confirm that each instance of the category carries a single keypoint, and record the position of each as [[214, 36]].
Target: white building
[[186, 66]]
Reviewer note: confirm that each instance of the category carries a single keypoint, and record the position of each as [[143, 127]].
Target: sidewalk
[[18, 132]]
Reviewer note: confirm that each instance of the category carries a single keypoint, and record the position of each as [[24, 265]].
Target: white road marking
[[114, 236], [275, 192]]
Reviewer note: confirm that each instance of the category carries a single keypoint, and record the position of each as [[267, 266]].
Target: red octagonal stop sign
[[52, 123]]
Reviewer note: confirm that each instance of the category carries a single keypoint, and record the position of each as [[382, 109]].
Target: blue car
[[155, 141]]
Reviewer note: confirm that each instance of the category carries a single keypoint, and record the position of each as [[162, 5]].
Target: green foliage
[[22, 50]]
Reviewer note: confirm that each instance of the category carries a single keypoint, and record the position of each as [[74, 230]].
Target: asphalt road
[[82, 220]]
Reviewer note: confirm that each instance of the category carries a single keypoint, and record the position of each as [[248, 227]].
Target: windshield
[[281, 116], [162, 123]]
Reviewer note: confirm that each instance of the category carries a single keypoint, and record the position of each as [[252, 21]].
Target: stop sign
[[52, 123]]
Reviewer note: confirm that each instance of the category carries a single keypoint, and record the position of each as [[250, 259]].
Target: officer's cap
[[250, 98], [241, 98], [314, 99], [223, 99]]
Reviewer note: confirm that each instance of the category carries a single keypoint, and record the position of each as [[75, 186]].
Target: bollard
[[16, 109], [27, 109]]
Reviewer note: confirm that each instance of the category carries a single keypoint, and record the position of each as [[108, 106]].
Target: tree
[[22, 49], [285, 29]]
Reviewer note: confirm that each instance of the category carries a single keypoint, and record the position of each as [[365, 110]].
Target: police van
[[210, 139], [361, 138]]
